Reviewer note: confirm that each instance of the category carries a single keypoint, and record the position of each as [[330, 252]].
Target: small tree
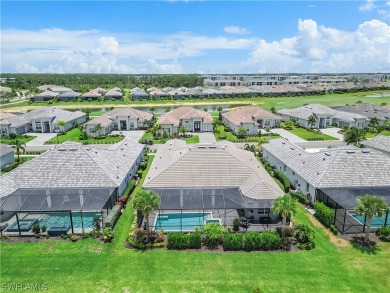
[[151, 109], [273, 110], [182, 129], [146, 201], [97, 128], [311, 120], [19, 146], [354, 135], [374, 121], [284, 206], [205, 109], [219, 109], [370, 206], [241, 132]]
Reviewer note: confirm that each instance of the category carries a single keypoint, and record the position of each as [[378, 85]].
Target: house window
[[307, 186], [3, 131], [267, 123], [131, 125], [284, 168], [38, 125]]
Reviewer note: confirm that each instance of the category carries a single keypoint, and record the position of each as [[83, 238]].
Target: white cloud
[[318, 48], [367, 6], [233, 29], [385, 13]]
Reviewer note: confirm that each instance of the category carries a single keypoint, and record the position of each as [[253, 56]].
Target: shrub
[[108, 234], [269, 240], [283, 179], [139, 173], [43, 229], [288, 231], [325, 214], [130, 187], [12, 135], [85, 235], [36, 229], [213, 234], [177, 241], [300, 197], [305, 236], [74, 238], [236, 224], [94, 234], [233, 241], [65, 236], [10, 167], [37, 235], [333, 229], [383, 231], [113, 216], [194, 240], [306, 246], [252, 241], [143, 165]]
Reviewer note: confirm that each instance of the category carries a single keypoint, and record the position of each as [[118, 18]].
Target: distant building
[[7, 155], [369, 111], [380, 143]]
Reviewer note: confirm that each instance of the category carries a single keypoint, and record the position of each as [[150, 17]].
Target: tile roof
[[379, 142], [335, 168], [106, 118], [113, 93], [248, 114], [71, 94], [5, 149], [60, 89], [367, 110], [305, 111], [218, 165], [92, 94], [45, 87], [5, 115], [72, 165], [47, 93], [174, 116]]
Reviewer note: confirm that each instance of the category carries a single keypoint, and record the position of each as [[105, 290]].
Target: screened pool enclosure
[[61, 211], [185, 209], [344, 201]]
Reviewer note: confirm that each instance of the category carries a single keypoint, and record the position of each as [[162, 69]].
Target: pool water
[[180, 222], [63, 219], [375, 223]]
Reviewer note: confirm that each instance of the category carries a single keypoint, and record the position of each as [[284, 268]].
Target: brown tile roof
[[5, 115], [174, 116], [248, 114], [106, 120]]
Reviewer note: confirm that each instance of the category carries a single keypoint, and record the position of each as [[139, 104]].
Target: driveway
[[206, 137], [133, 135], [333, 132], [288, 135], [40, 138]]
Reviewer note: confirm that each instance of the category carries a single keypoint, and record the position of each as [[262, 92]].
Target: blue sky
[[195, 36]]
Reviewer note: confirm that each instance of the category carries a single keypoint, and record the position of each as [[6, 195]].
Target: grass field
[[88, 266], [149, 135], [267, 103], [306, 134], [73, 135], [22, 139]]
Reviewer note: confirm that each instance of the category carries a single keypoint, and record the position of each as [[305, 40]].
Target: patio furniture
[[3, 226], [58, 230]]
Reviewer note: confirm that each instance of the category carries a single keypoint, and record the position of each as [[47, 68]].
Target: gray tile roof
[[367, 110], [336, 168], [107, 117], [379, 142], [113, 93], [92, 94], [5, 149], [248, 114], [219, 165], [47, 93], [70, 94], [72, 165], [305, 111]]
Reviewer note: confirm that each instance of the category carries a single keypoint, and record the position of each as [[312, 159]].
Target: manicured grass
[[74, 134], [307, 135], [23, 139], [385, 132], [192, 139], [23, 160], [90, 266], [230, 136]]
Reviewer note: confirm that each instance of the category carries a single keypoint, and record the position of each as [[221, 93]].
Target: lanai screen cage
[[344, 201], [185, 209], [59, 210]]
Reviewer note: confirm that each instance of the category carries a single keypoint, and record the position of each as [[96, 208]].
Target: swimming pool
[[180, 222], [376, 222], [63, 219]]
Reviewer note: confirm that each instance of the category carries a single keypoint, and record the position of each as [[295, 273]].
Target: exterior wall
[[104, 131], [20, 129], [297, 181], [172, 130], [6, 160], [130, 174]]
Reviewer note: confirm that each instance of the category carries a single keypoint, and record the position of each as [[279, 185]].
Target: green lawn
[[22, 139], [193, 139], [230, 136], [89, 266], [306, 134], [149, 135], [74, 134]]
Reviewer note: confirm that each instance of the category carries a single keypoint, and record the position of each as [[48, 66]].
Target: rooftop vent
[[212, 147], [350, 152], [365, 151], [327, 154], [201, 147], [283, 142], [61, 149], [72, 149], [292, 148]]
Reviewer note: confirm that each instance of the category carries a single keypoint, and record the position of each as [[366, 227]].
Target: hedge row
[[283, 179], [113, 216], [130, 188], [184, 241], [325, 214], [251, 241], [10, 167], [300, 197]]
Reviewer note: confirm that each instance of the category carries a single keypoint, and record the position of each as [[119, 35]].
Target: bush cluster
[[113, 216], [383, 231], [333, 229], [184, 241], [10, 167], [251, 241], [324, 214], [283, 179], [300, 197]]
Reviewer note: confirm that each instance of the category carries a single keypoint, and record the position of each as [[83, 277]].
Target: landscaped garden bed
[[21, 139], [77, 135], [306, 134]]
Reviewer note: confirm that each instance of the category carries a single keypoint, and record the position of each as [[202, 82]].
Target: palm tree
[[61, 124], [97, 128], [241, 132], [146, 201], [370, 206], [19, 146], [219, 109], [151, 109], [156, 127], [182, 129], [284, 206], [273, 110], [374, 121], [304, 233], [311, 120], [354, 135]]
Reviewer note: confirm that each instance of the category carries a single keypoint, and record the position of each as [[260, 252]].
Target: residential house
[[219, 180], [43, 119], [193, 119], [118, 119], [157, 93], [380, 143], [6, 155], [138, 94], [69, 96], [44, 97], [60, 89], [113, 95], [369, 111], [252, 118], [93, 95], [325, 116]]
